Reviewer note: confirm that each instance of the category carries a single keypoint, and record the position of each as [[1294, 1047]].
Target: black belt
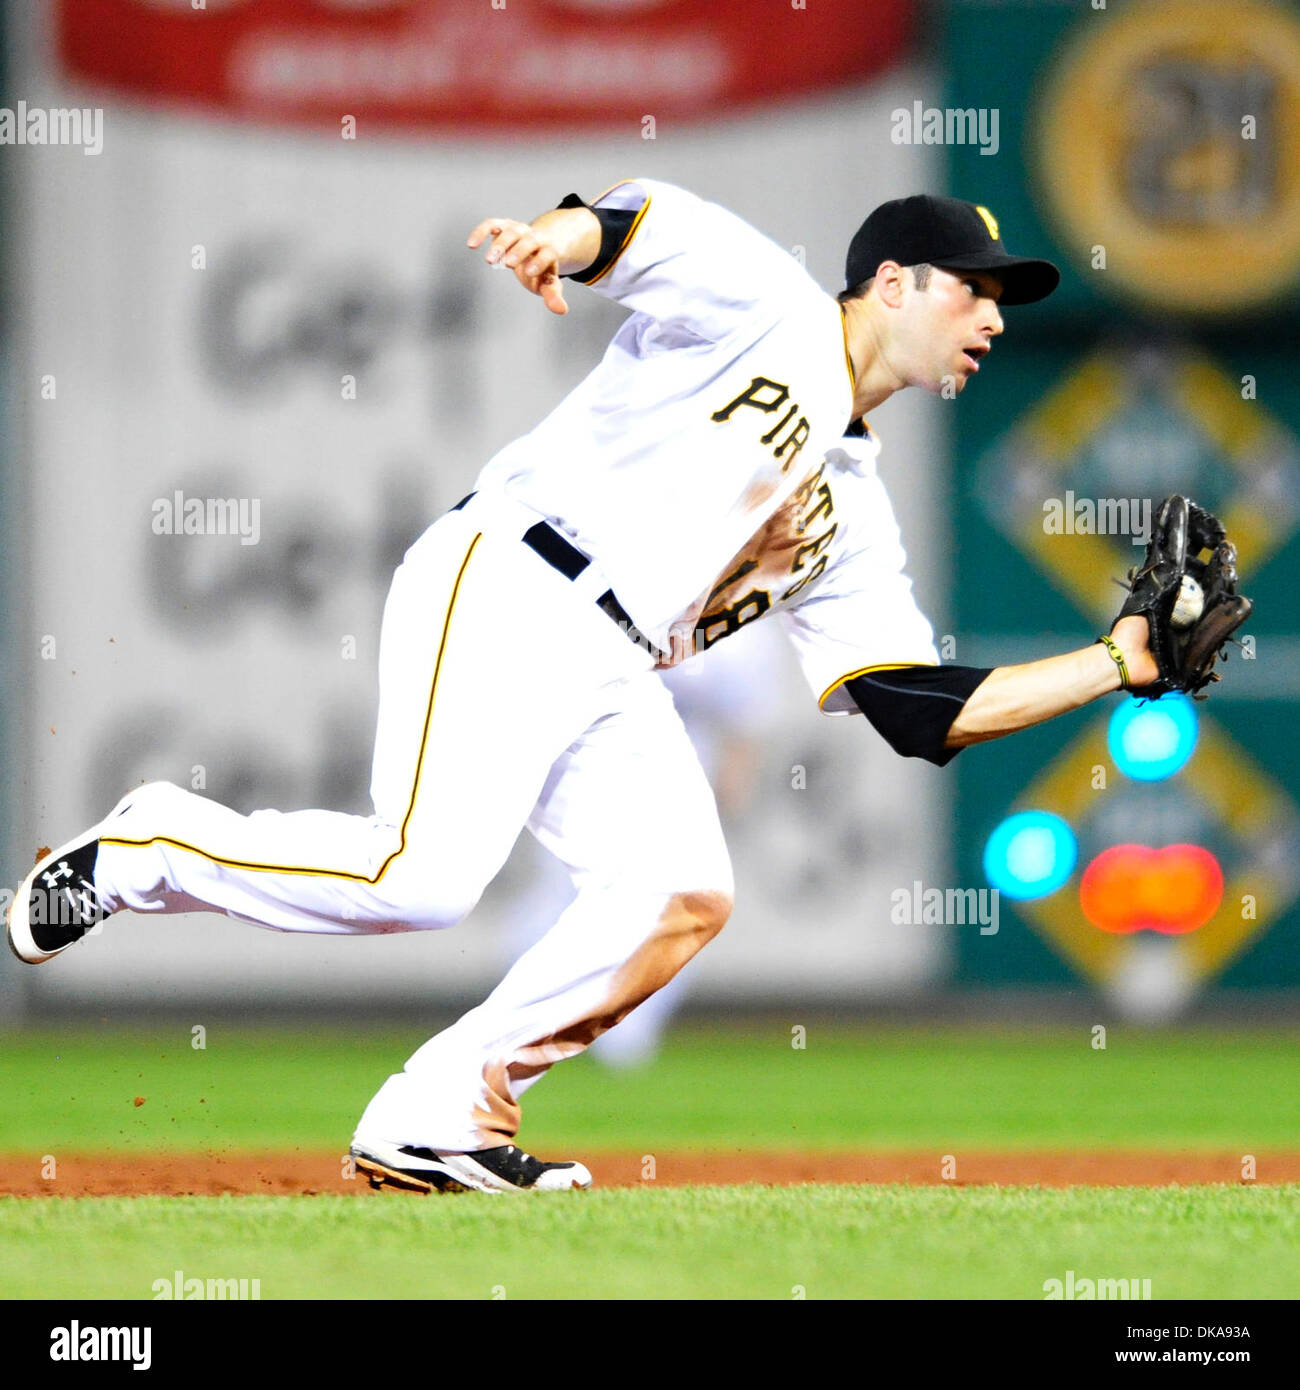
[[570, 561]]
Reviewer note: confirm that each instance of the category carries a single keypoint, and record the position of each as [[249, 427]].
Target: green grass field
[[948, 1089], [697, 1243], [899, 1088]]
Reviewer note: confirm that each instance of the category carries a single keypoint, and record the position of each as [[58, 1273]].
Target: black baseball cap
[[950, 234]]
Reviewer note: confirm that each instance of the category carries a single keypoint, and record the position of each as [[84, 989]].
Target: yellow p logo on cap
[[990, 221]]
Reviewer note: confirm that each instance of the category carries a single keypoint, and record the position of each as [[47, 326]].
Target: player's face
[[948, 328]]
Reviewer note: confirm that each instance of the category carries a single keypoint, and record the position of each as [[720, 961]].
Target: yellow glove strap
[[1117, 657]]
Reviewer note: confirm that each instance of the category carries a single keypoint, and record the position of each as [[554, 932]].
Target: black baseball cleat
[[56, 904], [504, 1169]]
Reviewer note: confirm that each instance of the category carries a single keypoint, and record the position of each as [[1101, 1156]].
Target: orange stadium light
[[1131, 888]]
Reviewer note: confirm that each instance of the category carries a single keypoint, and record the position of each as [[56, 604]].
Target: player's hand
[[1133, 637], [521, 248]]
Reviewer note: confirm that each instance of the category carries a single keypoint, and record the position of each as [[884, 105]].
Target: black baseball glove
[[1185, 654]]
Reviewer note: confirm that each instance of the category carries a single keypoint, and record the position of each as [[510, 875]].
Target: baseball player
[[713, 468]]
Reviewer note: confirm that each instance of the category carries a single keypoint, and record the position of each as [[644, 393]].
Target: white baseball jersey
[[831, 562], [731, 374]]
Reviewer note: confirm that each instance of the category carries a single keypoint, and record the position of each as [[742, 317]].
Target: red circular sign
[[1130, 888]]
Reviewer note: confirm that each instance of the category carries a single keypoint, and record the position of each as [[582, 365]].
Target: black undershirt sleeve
[[615, 223], [913, 707]]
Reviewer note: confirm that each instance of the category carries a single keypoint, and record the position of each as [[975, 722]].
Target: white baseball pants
[[507, 697]]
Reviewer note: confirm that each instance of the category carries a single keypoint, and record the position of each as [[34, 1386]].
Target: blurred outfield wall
[[1152, 149], [235, 301]]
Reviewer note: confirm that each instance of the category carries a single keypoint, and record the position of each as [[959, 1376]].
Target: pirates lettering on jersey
[[779, 550], [769, 396], [813, 487]]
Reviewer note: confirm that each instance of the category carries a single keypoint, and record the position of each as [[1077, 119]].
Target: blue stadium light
[[1151, 740], [1030, 855]]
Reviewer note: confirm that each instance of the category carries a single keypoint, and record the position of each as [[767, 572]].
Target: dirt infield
[[309, 1174]]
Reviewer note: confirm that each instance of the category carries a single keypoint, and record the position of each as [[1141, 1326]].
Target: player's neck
[[874, 379]]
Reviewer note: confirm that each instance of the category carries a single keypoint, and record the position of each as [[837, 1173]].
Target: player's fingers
[[527, 245], [552, 294], [504, 232], [506, 240], [534, 262], [531, 266], [537, 264], [490, 226], [497, 246]]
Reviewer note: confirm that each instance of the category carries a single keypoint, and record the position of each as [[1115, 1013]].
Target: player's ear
[[890, 283]]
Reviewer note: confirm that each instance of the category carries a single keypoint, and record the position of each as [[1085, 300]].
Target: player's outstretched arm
[[1011, 698], [563, 241]]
